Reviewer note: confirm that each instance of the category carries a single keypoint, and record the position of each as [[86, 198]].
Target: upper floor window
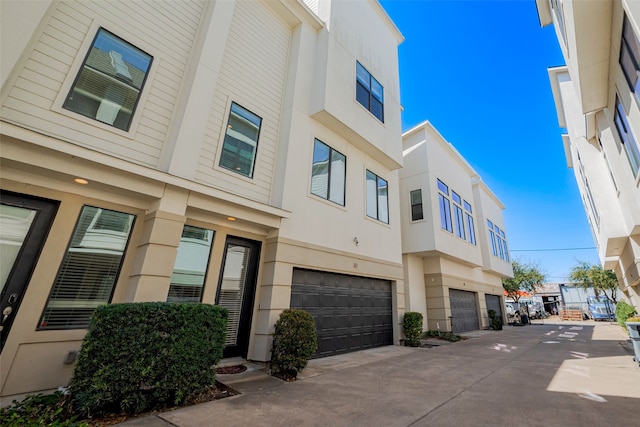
[[471, 230], [445, 207], [457, 214], [416, 205], [110, 81], [377, 197], [587, 187], [369, 92], [89, 269], [240, 141], [556, 6], [626, 137], [328, 173], [498, 241], [630, 55]]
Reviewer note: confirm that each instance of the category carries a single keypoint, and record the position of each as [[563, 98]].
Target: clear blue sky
[[477, 70]]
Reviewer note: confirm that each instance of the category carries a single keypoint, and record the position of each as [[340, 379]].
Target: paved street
[[541, 374]]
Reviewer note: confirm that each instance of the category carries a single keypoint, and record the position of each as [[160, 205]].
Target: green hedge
[[294, 343], [623, 312], [412, 328], [139, 356]]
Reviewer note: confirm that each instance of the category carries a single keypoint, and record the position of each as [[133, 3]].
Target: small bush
[[447, 336], [294, 343], [40, 410], [139, 356], [412, 328], [496, 322], [623, 312]]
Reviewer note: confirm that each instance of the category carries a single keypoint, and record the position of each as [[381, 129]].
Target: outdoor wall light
[[355, 241], [81, 181]]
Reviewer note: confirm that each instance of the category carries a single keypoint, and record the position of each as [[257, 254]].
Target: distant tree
[[526, 277], [602, 281]]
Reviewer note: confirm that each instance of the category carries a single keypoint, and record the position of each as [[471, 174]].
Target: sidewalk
[[573, 374]]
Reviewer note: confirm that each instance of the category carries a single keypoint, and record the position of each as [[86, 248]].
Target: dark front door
[[236, 292], [24, 224]]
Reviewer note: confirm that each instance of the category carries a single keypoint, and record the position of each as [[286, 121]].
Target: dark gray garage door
[[464, 312], [494, 303], [351, 312]]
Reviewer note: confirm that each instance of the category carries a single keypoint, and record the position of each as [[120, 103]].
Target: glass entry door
[[24, 225], [236, 292]]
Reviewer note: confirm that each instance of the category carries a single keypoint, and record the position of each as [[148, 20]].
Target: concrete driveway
[[542, 374]]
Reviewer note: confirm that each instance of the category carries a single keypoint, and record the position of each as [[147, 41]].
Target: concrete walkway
[[552, 374]]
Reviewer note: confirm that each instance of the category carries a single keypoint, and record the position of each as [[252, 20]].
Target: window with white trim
[[626, 137], [445, 206], [190, 268], [89, 269], [110, 81], [498, 240], [241, 141], [328, 173], [377, 197], [369, 92], [471, 229], [457, 214]]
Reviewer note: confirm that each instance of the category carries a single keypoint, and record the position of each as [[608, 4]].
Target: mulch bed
[[235, 369]]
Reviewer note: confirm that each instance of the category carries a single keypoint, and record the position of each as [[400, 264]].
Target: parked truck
[[600, 308]]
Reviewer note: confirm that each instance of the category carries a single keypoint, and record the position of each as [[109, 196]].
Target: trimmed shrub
[[139, 356], [496, 322], [412, 328], [294, 343], [623, 312]]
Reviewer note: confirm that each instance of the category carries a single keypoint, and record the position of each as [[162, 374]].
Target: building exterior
[[242, 153], [598, 104], [454, 245]]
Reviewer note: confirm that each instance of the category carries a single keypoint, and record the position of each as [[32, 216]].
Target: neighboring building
[[598, 103], [454, 245], [242, 153]]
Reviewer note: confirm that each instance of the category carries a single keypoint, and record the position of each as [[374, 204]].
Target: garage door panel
[[351, 313], [464, 311]]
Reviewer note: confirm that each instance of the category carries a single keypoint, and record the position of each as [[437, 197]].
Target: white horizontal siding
[[168, 27], [252, 74]]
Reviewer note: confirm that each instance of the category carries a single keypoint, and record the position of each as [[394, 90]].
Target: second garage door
[[351, 312], [464, 311]]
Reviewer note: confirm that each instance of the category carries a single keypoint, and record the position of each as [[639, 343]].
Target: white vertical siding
[[253, 75], [165, 29]]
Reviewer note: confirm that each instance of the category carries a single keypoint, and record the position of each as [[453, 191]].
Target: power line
[[551, 250]]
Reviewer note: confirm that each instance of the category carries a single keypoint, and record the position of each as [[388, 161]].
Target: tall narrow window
[[416, 205], [504, 246], [499, 241], [587, 187], [241, 141], [190, 269], [89, 269], [468, 214], [630, 55], [369, 92], [377, 197], [457, 214], [328, 173], [626, 137], [492, 237], [445, 207], [110, 81]]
